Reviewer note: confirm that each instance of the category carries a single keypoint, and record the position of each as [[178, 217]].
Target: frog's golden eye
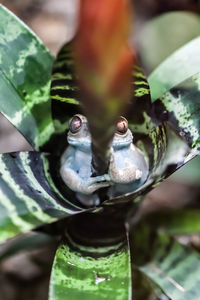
[[75, 124], [122, 126]]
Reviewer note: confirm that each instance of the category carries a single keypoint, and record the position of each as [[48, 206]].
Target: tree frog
[[127, 170]]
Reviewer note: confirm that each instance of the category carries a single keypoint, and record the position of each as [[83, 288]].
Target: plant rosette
[[96, 255]]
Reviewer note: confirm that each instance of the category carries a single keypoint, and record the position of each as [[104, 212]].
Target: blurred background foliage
[[164, 34], [157, 35]]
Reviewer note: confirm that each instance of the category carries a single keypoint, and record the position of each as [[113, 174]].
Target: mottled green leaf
[[172, 266], [179, 107], [28, 196], [25, 71], [182, 108], [181, 65], [91, 273]]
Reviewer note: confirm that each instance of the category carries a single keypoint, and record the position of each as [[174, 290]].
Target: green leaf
[[163, 35], [179, 222], [91, 273], [28, 194], [25, 70], [172, 266], [181, 65]]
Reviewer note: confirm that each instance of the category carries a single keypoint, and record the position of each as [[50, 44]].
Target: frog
[[128, 167]]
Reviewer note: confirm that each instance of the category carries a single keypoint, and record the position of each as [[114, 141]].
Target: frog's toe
[[101, 179], [138, 174], [96, 186], [107, 177]]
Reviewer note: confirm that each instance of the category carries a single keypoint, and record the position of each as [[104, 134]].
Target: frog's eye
[[122, 126], [75, 124]]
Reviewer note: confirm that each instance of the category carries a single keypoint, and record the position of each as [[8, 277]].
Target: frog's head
[[123, 136], [79, 135]]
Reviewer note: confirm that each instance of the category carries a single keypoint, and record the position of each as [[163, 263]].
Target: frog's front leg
[[123, 175], [85, 186]]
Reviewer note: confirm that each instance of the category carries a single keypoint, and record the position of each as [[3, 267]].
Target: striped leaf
[[64, 95], [64, 89], [172, 266], [28, 195], [91, 272], [25, 71]]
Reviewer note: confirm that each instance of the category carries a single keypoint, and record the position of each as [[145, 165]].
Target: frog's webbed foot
[[85, 186], [123, 175]]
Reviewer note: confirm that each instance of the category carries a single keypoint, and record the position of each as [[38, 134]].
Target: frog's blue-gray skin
[[128, 168]]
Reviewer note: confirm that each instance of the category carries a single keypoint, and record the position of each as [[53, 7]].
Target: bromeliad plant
[[100, 254]]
